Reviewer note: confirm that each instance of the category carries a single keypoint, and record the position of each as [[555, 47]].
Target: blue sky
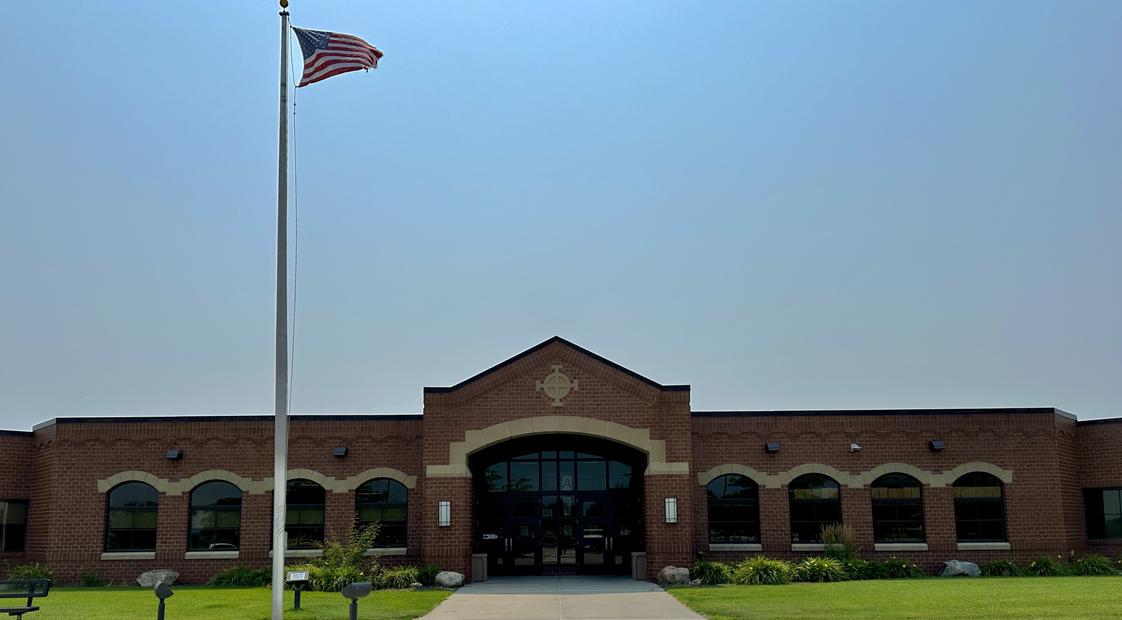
[[785, 204]]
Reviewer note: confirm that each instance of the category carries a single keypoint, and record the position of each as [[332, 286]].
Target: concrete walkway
[[561, 598]]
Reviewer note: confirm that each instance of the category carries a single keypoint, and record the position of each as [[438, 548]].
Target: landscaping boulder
[[673, 576], [152, 577], [449, 579], [956, 568]]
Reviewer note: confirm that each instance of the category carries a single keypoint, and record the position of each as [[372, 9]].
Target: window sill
[[211, 555], [808, 547], [129, 555], [380, 551], [301, 553], [984, 546], [900, 547], [735, 547], [1104, 541]]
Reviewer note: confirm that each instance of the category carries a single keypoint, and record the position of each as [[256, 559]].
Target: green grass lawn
[[987, 597], [204, 603]]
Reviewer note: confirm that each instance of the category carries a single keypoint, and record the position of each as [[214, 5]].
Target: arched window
[[979, 508], [734, 510], [216, 517], [130, 520], [815, 501], [897, 509], [305, 514], [384, 501]]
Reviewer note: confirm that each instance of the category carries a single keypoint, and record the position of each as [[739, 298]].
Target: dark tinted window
[[979, 508], [130, 523], [815, 502], [384, 501], [897, 509], [305, 514], [1103, 508], [216, 517], [13, 525], [734, 510]]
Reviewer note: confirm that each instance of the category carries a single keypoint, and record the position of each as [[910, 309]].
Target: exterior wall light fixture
[[772, 447], [174, 454], [671, 509], [444, 513], [855, 447], [937, 444], [338, 452]]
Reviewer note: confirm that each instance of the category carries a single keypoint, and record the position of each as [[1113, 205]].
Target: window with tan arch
[[734, 510]]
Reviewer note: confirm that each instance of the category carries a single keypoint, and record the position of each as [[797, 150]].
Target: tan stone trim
[[983, 546], [380, 551], [808, 547], [899, 546], [736, 547], [301, 553], [870, 476], [770, 481], [863, 479], [247, 485], [133, 475], [353, 482], [211, 555], [475, 440], [129, 555], [843, 478]]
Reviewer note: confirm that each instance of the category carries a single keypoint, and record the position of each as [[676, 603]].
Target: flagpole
[[280, 431]]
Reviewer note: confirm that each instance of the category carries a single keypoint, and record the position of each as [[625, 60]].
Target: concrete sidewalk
[[561, 598]]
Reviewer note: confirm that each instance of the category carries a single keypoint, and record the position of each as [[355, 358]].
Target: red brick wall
[[17, 457], [1039, 508], [1099, 448]]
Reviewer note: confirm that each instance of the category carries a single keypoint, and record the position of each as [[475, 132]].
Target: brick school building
[[558, 461]]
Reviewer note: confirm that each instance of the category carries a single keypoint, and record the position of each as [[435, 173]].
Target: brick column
[[668, 544], [938, 521], [447, 547], [857, 513], [775, 522], [172, 528], [339, 515]]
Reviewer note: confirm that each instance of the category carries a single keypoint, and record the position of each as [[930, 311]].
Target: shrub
[[427, 575], [1093, 565], [30, 571], [1046, 566], [838, 539], [762, 571], [857, 568], [894, 568], [398, 577], [1002, 568], [344, 561], [90, 579], [820, 569], [711, 573], [242, 576]]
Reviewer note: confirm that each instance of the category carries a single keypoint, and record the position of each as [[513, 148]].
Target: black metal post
[[160, 612], [296, 603], [354, 609]]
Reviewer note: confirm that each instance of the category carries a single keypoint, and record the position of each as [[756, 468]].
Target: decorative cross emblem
[[557, 385]]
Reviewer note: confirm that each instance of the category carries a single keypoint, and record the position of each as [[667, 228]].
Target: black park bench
[[29, 589]]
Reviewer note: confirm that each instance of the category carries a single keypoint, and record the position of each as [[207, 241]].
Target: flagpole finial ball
[[284, 4]]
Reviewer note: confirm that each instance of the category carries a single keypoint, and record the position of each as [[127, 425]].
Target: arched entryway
[[558, 504]]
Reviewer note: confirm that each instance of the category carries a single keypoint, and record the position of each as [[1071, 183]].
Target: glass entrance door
[[557, 512]]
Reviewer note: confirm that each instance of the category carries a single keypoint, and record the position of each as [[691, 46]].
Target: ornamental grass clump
[[761, 571], [859, 569], [1002, 568], [426, 575], [30, 571], [820, 569], [1093, 564], [1046, 566], [398, 577], [242, 576], [838, 539], [711, 573]]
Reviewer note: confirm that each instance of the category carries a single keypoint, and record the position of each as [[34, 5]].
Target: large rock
[[956, 568], [449, 579], [152, 577], [674, 576]]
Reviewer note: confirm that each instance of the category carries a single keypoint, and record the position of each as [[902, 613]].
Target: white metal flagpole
[[280, 432]]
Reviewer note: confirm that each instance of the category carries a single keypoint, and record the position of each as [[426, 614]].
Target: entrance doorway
[[558, 504]]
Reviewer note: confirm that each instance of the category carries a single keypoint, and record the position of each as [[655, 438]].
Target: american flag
[[330, 53]]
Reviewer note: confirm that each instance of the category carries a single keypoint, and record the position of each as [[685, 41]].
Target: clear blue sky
[[785, 204]]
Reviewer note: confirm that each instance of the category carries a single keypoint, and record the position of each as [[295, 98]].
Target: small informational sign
[[298, 576]]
